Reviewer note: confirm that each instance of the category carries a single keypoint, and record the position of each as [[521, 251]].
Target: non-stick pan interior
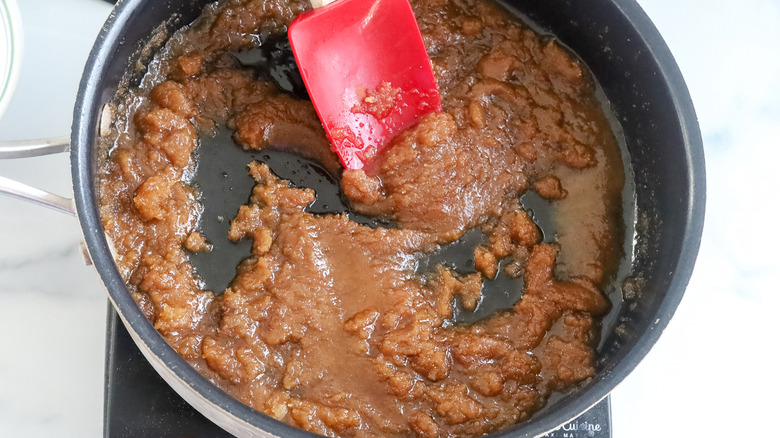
[[648, 98]]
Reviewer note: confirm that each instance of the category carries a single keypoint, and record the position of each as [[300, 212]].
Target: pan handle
[[34, 148]]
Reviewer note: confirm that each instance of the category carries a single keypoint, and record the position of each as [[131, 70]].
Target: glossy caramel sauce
[[348, 318]]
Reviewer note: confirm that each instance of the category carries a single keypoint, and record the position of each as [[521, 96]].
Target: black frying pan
[[647, 93]]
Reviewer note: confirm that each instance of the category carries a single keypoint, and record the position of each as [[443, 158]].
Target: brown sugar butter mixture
[[328, 325]]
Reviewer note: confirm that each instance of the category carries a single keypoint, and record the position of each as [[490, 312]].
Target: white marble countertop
[[711, 374]]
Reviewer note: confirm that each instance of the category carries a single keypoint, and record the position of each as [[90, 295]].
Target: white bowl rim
[[11, 32]]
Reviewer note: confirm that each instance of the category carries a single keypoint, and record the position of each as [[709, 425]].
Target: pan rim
[[90, 99]]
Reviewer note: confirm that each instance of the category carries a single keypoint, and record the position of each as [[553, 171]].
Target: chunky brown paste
[[328, 325]]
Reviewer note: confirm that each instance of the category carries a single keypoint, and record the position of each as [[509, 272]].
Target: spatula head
[[367, 72]]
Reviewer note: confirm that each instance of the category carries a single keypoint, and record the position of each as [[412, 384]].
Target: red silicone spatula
[[366, 70]]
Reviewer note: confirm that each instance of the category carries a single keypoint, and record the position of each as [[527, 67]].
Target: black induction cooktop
[[139, 404]]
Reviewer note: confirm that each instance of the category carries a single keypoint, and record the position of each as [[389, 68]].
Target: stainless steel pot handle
[[34, 148]]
